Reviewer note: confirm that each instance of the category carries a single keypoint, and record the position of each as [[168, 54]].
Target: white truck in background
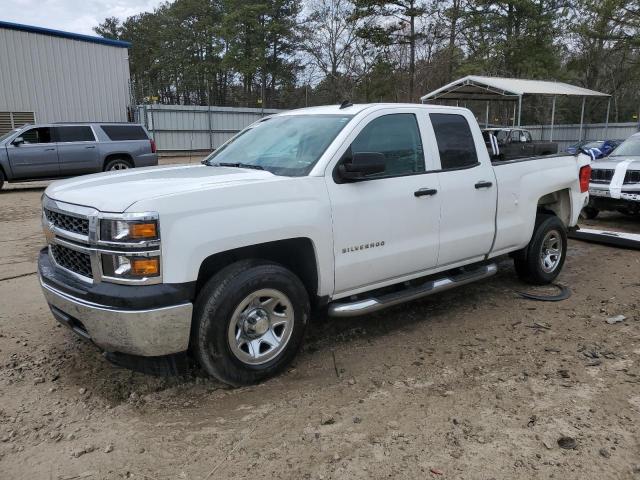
[[351, 208]]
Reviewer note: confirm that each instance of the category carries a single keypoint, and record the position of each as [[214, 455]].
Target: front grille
[[68, 222], [632, 176], [601, 175], [77, 262]]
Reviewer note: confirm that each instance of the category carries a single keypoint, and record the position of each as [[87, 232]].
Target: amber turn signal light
[[145, 267], [143, 230]]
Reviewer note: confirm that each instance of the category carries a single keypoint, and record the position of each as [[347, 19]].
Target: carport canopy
[[473, 87]]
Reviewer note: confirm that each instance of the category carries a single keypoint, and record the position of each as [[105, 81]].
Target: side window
[[397, 137], [124, 132], [527, 136], [455, 141], [37, 135], [74, 134]]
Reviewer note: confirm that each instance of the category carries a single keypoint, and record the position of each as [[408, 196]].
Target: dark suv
[[40, 152]]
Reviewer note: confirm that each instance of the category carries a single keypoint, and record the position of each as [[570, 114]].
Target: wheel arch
[[117, 156], [556, 203], [296, 254]]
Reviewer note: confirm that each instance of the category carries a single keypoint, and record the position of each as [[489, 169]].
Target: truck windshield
[[629, 148], [288, 145]]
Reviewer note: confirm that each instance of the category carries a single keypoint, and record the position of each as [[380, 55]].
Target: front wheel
[[2, 179], [541, 261], [249, 322]]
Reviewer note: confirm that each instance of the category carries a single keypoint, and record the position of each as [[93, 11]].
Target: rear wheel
[[541, 261], [2, 179], [117, 164], [249, 322]]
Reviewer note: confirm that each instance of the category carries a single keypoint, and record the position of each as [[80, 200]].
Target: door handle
[[49, 149], [93, 146], [483, 184], [423, 192]]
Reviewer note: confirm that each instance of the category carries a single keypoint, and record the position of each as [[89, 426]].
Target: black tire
[[590, 213], [116, 164], [529, 263], [218, 306], [2, 179]]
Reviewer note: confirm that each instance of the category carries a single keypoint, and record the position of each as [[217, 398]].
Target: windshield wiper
[[236, 165]]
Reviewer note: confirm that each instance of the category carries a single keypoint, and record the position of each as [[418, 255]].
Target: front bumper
[[600, 197], [149, 332]]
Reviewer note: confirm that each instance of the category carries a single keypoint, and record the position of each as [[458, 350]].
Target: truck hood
[[116, 191], [610, 163]]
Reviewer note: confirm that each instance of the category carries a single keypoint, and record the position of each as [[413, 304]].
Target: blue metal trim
[[60, 33]]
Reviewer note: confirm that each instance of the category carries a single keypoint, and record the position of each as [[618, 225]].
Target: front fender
[[196, 225]]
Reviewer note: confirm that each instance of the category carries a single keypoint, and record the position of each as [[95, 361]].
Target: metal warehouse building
[[54, 76]]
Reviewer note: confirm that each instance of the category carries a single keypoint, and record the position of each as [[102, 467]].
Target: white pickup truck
[[351, 208]]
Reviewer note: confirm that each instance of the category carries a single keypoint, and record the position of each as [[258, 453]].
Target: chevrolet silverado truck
[[347, 209], [517, 143], [615, 181]]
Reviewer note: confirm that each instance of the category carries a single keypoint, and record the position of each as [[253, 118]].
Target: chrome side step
[[368, 305]]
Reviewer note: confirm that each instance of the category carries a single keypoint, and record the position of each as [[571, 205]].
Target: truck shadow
[[19, 189]]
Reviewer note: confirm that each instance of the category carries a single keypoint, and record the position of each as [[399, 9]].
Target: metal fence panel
[[566, 135], [177, 128]]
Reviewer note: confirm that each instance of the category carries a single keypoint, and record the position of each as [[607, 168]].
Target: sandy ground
[[470, 384]]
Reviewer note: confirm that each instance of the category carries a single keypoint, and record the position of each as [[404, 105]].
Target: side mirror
[[361, 165], [18, 141]]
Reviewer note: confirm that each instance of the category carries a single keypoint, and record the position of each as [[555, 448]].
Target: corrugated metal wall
[[566, 135], [188, 127], [62, 80]]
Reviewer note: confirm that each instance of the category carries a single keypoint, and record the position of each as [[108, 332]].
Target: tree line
[[291, 53]]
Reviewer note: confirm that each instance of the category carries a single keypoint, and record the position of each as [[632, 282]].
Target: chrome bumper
[[148, 333]]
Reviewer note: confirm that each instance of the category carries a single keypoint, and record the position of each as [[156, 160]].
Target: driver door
[[37, 155], [385, 226]]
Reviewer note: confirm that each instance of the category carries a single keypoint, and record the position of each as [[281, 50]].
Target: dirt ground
[[474, 383]]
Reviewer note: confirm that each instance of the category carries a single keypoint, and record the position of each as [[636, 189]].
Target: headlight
[[129, 231], [130, 267]]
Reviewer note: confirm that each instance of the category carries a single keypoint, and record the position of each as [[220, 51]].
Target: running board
[[368, 305]]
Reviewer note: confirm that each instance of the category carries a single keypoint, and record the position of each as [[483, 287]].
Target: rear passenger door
[[77, 150], [468, 190], [33, 154]]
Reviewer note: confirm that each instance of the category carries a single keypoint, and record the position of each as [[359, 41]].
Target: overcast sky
[[77, 16]]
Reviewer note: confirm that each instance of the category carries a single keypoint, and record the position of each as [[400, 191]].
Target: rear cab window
[[124, 132], [455, 141], [74, 134]]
